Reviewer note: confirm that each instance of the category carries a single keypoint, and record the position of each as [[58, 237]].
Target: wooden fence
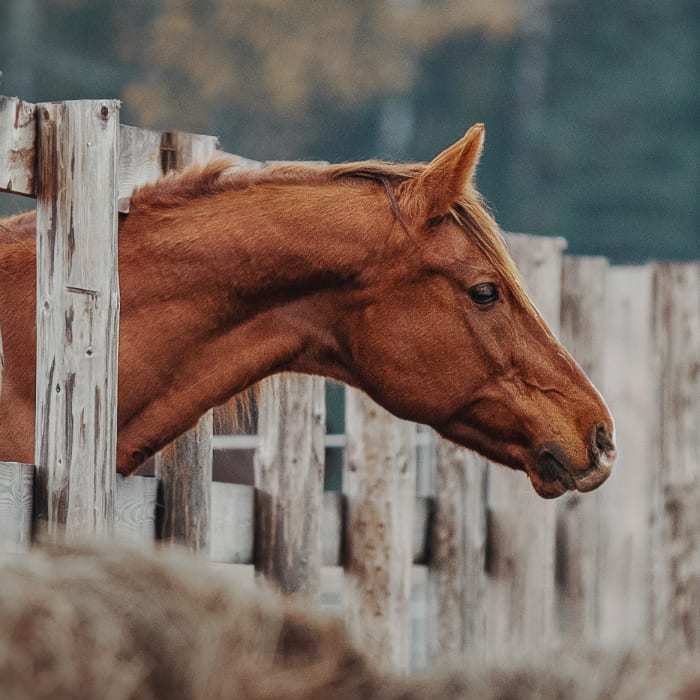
[[471, 562]]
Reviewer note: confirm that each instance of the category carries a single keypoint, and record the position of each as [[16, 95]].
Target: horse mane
[[223, 175]]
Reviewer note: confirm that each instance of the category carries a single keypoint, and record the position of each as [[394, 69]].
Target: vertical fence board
[[135, 510], [185, 466], [457, 576], [521, 524], [380, 486], [139, 161], [232, 523], [289, 479], [16, 486], [77, 314], [676, 334], [627, 496], [583, 308], [17, 146]]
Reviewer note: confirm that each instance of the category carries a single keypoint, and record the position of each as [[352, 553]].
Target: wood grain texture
[[135, 510], [289, 478], [139, 161], [627, 497], [333, 528], [16, 496], [185, 466], [17, 146], [521, 524], [578, 572], [676, 531], [457, 574], [232, 518], [77, 315], [232, 523], [184, 469], [380, 487]]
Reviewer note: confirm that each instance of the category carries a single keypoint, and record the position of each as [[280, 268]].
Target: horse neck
[[223, 291]]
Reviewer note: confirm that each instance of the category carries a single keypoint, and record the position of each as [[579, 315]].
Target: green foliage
[[597, 140], [616, 143]]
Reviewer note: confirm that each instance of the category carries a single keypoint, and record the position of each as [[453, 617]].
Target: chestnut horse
[[391, 278]]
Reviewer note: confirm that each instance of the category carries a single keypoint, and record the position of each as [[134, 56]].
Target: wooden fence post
[[185, 466], [457, 574], [625, 545], [17, 146], [380, 486], [16, 496], [578, 576], [77, 314], [289, 479], [184, 469], [520, 592], [676, 555]]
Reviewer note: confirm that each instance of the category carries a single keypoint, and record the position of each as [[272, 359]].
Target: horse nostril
[[603, 441]]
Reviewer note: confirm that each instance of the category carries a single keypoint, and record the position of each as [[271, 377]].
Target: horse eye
[[485, 293]]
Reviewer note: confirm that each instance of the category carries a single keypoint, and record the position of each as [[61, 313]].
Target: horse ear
[[451, 173]]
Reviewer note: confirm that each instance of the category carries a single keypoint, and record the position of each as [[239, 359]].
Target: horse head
[[463, 348]]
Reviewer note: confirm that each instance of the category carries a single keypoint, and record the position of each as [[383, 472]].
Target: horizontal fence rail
[[424, 531]]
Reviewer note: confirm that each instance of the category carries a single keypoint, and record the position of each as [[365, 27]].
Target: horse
[[392, 278]]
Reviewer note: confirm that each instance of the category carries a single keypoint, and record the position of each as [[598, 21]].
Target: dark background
[[592, 107]]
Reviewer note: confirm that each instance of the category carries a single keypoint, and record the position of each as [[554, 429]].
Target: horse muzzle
[[554, 473]]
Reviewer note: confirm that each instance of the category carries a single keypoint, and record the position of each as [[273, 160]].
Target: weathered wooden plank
[[332, 528], [676, 555], [77, 314], [627, 501], [139, 161], [17, 146], [16, 486], [192, 148], [232, 518], [135, 509], [185, 467], [520, 590], [380, 487], [584, 305], [457, 576], [289, 478]]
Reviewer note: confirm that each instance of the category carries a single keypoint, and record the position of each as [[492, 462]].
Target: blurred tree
[[476, 84], [614, 148], [592, 108], [273, 77]]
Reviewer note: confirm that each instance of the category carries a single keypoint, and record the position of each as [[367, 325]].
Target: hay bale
[[110, 622], [105, 621]]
